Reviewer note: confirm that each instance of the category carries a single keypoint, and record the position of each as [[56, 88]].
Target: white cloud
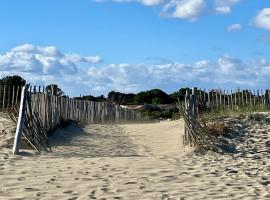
[[234, 28], [45, 65], [186, 9], [150, 2], [144, 2], [42, 60], [224, 6], [223, 9], [262, 20]]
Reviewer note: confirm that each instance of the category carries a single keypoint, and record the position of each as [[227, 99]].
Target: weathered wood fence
[[53, 109], [9, 96], [41, 113], [232, 99], [195, 133], [197, 102]]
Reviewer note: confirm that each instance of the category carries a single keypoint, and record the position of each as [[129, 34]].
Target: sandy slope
[[7, 130], [141, 161]]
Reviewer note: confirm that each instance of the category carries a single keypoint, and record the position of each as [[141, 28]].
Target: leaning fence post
[[20, 123]]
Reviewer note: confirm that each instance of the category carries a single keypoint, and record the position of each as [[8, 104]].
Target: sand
[[139, 161], [7, 130]]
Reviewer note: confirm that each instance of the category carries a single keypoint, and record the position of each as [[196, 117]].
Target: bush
[[166, 114]]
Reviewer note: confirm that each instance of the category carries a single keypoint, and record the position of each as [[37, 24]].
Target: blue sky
[[96, 46]]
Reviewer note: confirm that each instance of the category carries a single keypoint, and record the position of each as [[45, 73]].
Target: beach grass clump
[[238, 111], [218, 128]]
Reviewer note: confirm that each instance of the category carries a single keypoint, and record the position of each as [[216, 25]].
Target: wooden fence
[[9, 96], [197, 102], [53, 109], [231, 99], [42, 112]]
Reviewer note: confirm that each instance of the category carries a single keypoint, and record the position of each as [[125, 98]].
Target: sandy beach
[[137, 161]]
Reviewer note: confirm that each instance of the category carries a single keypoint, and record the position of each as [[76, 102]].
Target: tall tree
[[154, 96], [54, 90], [13, 80], [180, 94], [120, 98]]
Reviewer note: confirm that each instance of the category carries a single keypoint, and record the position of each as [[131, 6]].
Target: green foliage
[[120, 98], [54, 90], [155, 96], [100, 98], [13, 80], [226, 111], [156, 100], [166, 114], [179, 94]]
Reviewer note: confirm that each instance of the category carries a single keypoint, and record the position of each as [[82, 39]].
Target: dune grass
[[226, 111]]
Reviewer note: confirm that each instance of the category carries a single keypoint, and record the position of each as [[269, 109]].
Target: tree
[[120, 98], [100, 98], [54, 90], [13, 80], [154, 96], [180, 94]]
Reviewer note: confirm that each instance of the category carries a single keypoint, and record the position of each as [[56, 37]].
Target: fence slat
[[20, 123]]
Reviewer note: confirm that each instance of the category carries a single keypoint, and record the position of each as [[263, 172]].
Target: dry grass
[[218, 128]]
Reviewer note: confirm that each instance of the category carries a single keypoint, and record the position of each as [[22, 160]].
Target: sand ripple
[[142, 161]]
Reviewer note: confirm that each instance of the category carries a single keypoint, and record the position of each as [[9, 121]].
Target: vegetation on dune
[[54, 90], [151, 99], [226, 111], [13, 80], [154, 96], [100, 98], [121, 98]]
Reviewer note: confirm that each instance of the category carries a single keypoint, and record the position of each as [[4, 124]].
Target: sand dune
[[139, 161], [7, 130]]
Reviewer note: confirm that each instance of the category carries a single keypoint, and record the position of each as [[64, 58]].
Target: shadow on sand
[[95, 140]]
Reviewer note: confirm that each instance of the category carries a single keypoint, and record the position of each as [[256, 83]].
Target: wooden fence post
[[4, 98], [20, 123], [266, 101], [194, 103]]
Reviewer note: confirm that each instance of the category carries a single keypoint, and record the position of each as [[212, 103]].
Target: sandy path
[[142, 161]]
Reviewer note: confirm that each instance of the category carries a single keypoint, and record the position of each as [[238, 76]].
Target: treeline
[[154, 96], [19, 81]]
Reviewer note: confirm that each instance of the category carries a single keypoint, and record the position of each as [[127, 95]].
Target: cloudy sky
[[94, 46]]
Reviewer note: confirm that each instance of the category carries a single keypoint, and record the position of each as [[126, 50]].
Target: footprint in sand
[[40, 194], [21, 179], [68, 192], [117, 198], [104, 189], [30, 189], [130, 183], [72, 198]]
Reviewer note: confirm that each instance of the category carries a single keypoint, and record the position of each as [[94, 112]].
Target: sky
[[95, 46]]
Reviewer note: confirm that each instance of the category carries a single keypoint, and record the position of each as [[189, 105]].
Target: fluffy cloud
[[262, 20], [45, 65], [225, 72], [186, 9], [42, 60], [224, 6], [234, 28]]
